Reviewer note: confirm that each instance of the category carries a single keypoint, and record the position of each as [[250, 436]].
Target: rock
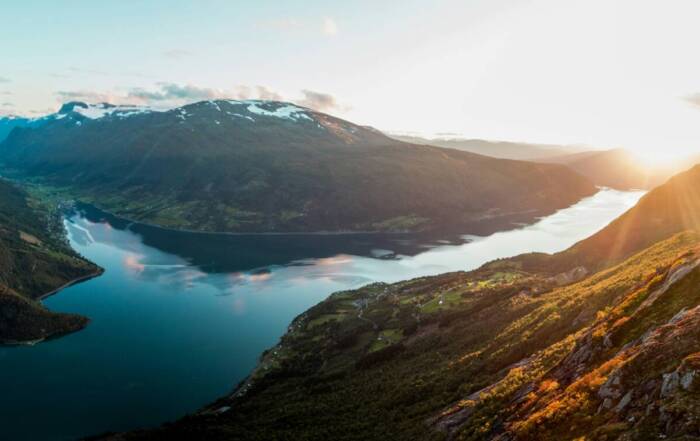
[[670, 383], [623, 402], [687, 380], [610, 389]]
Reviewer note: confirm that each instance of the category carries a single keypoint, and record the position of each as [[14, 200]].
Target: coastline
[[484, 225], [72, 282]]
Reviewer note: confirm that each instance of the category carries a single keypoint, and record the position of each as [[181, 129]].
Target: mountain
[[496, 149], [264, 166], [511, 351], [34, 261], [7, 123], [619, 168], [671, 208]]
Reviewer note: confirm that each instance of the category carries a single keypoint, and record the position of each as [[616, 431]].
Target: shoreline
[[72, 282], [487, 227]]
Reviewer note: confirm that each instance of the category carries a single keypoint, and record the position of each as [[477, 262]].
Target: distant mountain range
[[265, 166], [496, 149], [619, 168], [614, 168]]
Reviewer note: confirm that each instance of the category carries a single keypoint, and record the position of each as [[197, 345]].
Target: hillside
[[7, 123], [34, 260], [515, 350], [496, 149], [261, 166], [617, 168]]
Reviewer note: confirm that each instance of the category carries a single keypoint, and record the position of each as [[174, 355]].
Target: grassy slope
[[34, 260], [409, 366], [316, 174], [510, 351]]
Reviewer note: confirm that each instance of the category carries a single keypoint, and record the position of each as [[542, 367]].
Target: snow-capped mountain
[[254, 165]]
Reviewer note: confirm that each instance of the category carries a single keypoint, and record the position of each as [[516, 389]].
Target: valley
[[350, 221], [516, 349], [178, 319]]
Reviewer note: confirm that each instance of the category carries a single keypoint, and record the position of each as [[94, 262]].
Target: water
[[178, 319]]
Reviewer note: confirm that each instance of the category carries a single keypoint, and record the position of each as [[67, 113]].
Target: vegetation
[[217, 166], [383, 362], [34, 261], [513, 350]]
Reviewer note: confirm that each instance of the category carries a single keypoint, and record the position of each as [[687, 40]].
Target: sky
[[613, 73]]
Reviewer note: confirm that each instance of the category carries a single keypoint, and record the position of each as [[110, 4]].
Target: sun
[[658, 158]]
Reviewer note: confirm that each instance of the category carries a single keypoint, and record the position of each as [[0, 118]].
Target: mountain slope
[[670, 208], [616, 168], [257, 166], [496, 149], [7, 123], [515, 350], [34, 261], [456, 356]]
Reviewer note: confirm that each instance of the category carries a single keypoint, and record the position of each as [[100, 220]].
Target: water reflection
[[262, 262]]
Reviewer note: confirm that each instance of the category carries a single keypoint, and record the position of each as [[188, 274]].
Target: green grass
[[386, 338]]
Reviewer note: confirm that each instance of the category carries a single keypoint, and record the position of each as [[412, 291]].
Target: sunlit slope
[[668, 209], [596, 342], [268, 166], [34, 260], [497, 353]]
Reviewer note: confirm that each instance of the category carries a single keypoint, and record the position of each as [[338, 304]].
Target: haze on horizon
[[602, 73]]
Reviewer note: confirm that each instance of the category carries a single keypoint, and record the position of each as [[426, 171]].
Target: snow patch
[[273, 109], [287, 111], [97, 111]]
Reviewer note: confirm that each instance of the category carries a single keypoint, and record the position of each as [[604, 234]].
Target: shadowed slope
[[257, 166]]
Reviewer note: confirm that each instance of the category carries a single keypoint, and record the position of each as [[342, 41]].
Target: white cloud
[[177, 54], [323, 102], [330, 27], [327, 26], [168, 95], [693, 99]]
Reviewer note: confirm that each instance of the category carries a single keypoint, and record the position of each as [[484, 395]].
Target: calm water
[[178, 319]]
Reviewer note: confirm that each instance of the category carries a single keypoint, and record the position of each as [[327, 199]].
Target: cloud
[[174, 92], [693, 99], [82, 70], [280, 24], [323, 102], [329, 27], [41, 111], [266, 94], [73, 70], [7, 104], [4, 80], [167, 95], [89, 97], [177, 54]]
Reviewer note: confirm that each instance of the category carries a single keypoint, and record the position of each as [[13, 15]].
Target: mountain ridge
[[263, 166]]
